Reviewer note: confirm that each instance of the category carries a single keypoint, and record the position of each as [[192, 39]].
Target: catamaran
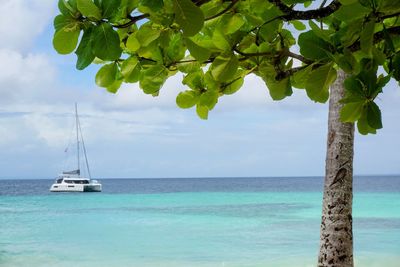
[[72, 181]]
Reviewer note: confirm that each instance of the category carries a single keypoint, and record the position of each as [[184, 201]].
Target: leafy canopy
[[216, 43]]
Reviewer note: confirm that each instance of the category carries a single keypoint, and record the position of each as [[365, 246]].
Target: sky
[[133, 135]]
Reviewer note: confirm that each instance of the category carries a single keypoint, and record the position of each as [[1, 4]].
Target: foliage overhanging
[[216, 43]]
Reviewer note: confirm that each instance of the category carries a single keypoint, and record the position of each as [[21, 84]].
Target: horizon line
[[200, 177]]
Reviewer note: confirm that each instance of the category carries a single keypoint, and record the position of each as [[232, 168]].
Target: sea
[[191, 222]]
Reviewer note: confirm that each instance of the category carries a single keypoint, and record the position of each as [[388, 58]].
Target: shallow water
[[190, 222]]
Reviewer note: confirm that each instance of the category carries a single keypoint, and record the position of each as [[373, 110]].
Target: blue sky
[[135, 135]]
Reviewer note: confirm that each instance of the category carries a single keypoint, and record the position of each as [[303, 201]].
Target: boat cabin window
[[81, 182], [59, 181], [77, 181]]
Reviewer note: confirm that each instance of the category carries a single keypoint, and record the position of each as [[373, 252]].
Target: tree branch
[[232, 4], [291, 14], [255, 54], [379, 36], [200, 2], [285, 53], [287, 73], [389, 16], [299, 57], [132, 21]]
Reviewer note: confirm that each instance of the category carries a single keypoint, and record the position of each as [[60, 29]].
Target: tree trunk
[[336, 238]]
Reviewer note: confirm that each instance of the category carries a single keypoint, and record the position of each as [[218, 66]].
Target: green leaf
[[307, 4], [352, 99], [367, 37], [368, 79], [132, 44], [348, 13], [368, 3], [224, 67], [200, 53], [152, 52], [383, 80], [188, 16], [110, 8], [317, 86], [292, 2], [134, 76], [85, 50], [210, 82], [106, 75], [62, 21], [300, 78], [346, 61], [175, 49], [374, 116], [351, 112], [313, 47], [279, 89], [388, 6], [269, 31], [189, 67], [220, 41], [106, 43], [323, 34], [234, 23], [153, 5], [353, 85], [202, 111], [153, 78], [187, 99], [362, 125], [72, 5], [62, 6], [89, 9], [348, 2], [129, 69], [209, 99], [298, 25], [388, 40], [194, 80], [234, 86], [378, 55], [395, 67], [146, 35], [113, 88], [66, 39]]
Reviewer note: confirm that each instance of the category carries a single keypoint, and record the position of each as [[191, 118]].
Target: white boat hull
[[73, 183], [75, 188]]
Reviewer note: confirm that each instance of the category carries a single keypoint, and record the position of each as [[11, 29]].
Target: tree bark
[[336, 238]]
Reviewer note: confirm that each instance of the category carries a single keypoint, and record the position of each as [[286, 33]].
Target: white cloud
[[53, 131], [22, 20], [8, 131], [24, 77], [108, 126]]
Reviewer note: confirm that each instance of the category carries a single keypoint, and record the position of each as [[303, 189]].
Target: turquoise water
[[192, 228]]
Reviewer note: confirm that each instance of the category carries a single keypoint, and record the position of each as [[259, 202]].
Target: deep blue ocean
[[191, 222]]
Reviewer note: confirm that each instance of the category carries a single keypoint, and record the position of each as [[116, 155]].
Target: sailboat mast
[[84, 150], [77, 134]]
